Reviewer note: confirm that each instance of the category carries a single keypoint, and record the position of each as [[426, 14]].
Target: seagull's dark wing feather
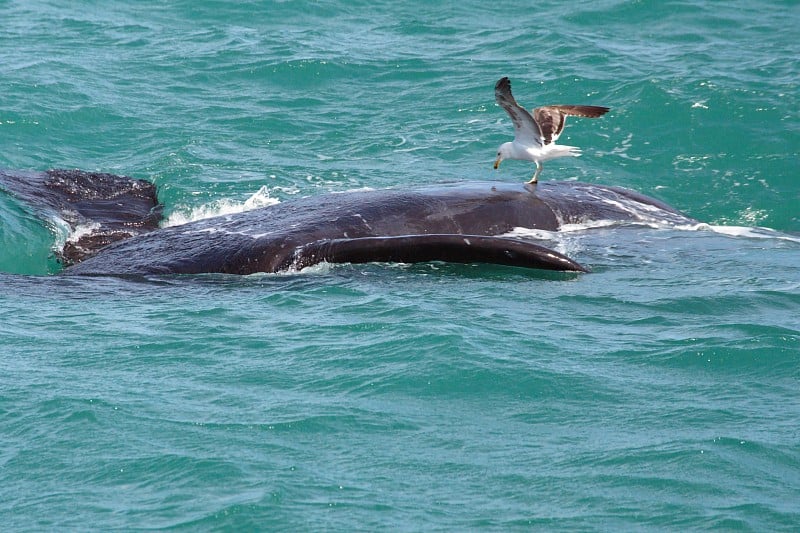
[[526, 130], [551, 118]]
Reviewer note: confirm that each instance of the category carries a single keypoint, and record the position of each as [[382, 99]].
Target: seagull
[[535, 135]]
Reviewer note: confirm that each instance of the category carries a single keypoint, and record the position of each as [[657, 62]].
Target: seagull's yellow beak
[[497, 163]]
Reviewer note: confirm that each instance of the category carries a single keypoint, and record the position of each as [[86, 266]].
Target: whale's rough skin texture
[[114, 207], [300, 232]]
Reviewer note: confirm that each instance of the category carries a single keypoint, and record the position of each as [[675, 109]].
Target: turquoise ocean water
[[661, 391]]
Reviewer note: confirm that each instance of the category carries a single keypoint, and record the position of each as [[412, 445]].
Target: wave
[[226, 206], [755, 232], [749, 232]]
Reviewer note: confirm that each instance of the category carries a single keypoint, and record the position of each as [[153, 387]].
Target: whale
[[116, 225]]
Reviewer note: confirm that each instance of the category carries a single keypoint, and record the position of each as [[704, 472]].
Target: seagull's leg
[[535, 177]]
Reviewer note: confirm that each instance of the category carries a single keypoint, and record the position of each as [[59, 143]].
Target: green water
[[659, 392]]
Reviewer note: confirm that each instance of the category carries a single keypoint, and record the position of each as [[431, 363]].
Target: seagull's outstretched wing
[[526, 131], [550, 119]]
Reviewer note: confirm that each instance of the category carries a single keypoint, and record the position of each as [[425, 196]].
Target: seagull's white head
[[505, 151]]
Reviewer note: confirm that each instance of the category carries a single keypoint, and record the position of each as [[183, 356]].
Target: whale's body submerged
[[461, 222]]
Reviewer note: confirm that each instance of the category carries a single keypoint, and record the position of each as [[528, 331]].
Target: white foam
[[592, 224], [742, 231], [563, 241], [316, 269], [261, 198], [564, 228], [81, 231], [65, 234], [730, 231], [62, 231], [631, 206]]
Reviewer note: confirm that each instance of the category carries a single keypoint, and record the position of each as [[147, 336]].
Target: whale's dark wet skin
[[460, 222]]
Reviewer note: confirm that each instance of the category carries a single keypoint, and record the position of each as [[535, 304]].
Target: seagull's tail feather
[[560, 150]]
